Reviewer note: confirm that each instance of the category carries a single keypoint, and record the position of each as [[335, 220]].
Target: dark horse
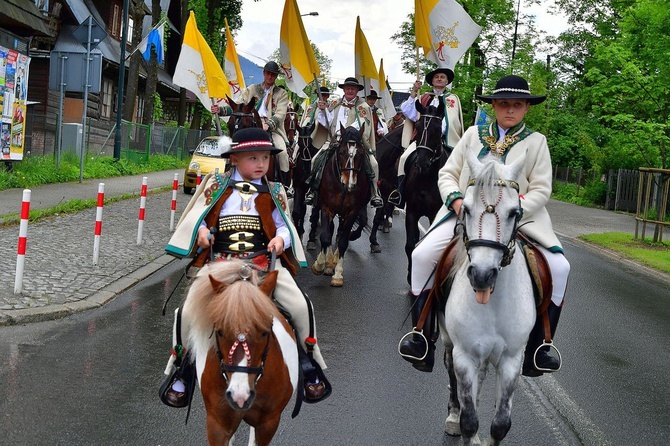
[[389, 149], [244, 116], [344, 191], [305, 151], [421, 175]]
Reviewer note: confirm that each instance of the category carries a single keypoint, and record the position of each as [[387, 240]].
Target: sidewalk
[[60, 278]]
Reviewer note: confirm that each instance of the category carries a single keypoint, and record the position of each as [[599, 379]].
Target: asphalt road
[[92, 378]]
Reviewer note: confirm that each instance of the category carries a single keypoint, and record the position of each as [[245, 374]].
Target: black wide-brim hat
[[249, 140], [324, 90], [447, 71], [351, 81], [372, 95], [271, 67], [512, 87]]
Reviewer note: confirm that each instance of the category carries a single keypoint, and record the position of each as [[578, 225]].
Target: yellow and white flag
[[364, 64], [385, 94], [197, 69], [444, 30], [231, 66], [296, 56]]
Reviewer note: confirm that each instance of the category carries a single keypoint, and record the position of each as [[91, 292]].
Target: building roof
[[23, 17]]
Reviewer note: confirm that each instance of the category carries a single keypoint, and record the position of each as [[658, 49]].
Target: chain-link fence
[[138, 141]]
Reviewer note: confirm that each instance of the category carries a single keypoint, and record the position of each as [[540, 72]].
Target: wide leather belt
[[240, 234]]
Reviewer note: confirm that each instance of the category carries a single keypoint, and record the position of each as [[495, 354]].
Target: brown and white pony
[[245, 351]]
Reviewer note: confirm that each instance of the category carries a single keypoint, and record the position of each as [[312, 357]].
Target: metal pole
[[82, 154], [122, 72], [59, 126]]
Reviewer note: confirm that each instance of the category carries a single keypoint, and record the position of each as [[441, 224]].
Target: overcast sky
[[333, 32]]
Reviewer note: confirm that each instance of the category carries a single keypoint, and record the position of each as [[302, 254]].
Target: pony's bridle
[[507, 249], [422, 139], [241, 342], [238, 115]]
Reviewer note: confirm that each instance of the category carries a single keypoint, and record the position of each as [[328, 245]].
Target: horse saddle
[[535, 259]]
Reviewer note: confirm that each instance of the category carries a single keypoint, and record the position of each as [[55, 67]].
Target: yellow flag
[[364, 64], [231, 65], [295, 51], [444, 30], [197, 69]]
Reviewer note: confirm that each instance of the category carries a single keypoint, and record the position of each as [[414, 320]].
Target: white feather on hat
[[225, 144]]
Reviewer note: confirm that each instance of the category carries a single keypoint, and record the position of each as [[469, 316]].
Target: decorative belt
[[240, 234]]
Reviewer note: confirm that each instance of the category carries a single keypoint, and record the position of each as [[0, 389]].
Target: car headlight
[[194, 165]]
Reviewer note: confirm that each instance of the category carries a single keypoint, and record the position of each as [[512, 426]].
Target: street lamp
[[310, 13]]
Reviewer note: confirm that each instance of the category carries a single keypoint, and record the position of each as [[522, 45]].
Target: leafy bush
[[595, 191], [36, 170]]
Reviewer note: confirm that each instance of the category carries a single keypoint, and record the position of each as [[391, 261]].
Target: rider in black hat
[[507, 139], [272, 104], [351, 110], [309, 115], [452, 125], [381, 128]]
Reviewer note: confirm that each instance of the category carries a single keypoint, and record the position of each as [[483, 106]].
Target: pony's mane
[[484, 183], [240, 307], [352, 134]]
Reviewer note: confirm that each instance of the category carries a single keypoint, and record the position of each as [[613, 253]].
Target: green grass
[[654, 255], [37, 170]]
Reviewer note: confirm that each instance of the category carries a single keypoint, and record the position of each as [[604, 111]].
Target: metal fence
[[138, 141]]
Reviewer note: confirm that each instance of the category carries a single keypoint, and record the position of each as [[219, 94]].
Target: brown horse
[[344, 191], [244, 350]]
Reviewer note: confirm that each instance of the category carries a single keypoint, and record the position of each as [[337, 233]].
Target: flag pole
[[216, 120], [418, 65], [318, 93]]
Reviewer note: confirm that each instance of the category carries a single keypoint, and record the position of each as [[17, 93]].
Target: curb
[[97, 300], [613, 255]]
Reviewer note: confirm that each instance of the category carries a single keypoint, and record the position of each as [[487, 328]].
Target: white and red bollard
[[173, 205], [98, 222], [198, 178], [23, 241], [143, 205]]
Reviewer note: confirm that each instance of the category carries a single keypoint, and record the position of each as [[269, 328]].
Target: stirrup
[[395, 198], [411, 358], [551, 345], [378, 203]]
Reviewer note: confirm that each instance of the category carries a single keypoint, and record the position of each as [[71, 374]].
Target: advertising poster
[[4, 140], [18, 131], [21, 78]]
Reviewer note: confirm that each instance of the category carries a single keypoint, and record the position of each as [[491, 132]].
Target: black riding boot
[[397, 196], [414, 346], [535, 339]]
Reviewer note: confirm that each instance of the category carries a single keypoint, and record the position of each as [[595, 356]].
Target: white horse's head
[[490, 214]]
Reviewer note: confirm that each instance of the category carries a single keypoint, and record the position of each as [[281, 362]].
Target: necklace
[[499, 148]]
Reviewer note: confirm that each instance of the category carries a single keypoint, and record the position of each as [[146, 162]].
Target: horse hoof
[[375, 249], [311, 246], [452, 425], [336, 282], [328, 271], [316, 271]]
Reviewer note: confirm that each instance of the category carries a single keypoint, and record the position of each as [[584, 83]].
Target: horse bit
[[507, 249]]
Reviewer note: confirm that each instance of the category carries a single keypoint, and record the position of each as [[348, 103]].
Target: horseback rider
[[272, 105], [452, 123], [250, 215], [508, 139], [350, 111], [309, 115], [378, 118]]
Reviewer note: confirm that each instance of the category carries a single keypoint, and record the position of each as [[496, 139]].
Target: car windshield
[[209, 147]]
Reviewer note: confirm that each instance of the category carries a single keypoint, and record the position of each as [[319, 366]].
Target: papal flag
[[444, 30], [197, 69], [385, 94], [295, 51], [364, 64], [231, 65]]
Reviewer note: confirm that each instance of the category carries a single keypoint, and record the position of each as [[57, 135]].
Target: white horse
[[480, 326]]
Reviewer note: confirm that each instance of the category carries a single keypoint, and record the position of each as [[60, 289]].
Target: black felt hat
[[373, 95], [512, 87], [271, 67], [351, 81], [249, 140], [447, 71], [324, 90]]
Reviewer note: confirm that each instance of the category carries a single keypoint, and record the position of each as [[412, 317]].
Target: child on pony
[[249, 214]]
